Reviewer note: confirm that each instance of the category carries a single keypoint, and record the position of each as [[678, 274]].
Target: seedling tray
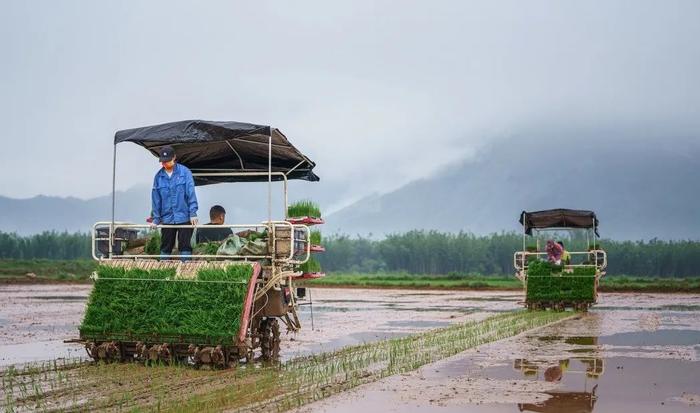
[[141, 305], [306, 221]]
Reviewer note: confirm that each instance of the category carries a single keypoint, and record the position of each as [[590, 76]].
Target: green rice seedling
[[207, 248], [310, 266], [138, 304], [152, 246], [233, 273], [314, 377], [256, 235], [315, 237], [304, 208], [547, 282], [292, 384]]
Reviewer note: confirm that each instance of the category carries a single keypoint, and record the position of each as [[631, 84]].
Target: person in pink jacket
[[554, 252]]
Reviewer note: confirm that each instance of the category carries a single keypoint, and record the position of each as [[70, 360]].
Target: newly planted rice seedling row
[[88, 387], [303, 380]]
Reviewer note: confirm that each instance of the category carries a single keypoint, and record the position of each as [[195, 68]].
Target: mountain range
[[640, 186]]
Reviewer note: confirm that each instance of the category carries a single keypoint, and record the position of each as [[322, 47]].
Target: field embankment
[[478, 282], [46, 271], [50, 271]]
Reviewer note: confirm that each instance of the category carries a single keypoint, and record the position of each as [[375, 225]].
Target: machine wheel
[[269, 339]]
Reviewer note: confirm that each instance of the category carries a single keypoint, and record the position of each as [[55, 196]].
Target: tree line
[[433, 252], [419, 252], [48, 245]]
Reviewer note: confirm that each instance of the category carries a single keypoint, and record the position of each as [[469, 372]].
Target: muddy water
[[635, 352], [343, 317], [35, 319]]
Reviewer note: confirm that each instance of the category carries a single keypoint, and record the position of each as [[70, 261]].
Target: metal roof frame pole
[[114, 182], [594, 246], [269, 177], [286, 199], [588, 239]]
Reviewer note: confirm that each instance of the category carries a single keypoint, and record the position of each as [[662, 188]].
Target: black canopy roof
[[558, 218], [207, 146]]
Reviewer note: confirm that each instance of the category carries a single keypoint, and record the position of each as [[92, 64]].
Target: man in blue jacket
[[174, 202]]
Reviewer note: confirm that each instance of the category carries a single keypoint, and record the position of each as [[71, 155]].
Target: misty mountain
[[41, 213], [640, 187], [245, 203]]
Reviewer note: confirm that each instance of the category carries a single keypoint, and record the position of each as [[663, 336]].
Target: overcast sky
[[377, 93]]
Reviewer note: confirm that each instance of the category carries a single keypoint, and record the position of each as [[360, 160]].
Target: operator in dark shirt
[[217, 216]]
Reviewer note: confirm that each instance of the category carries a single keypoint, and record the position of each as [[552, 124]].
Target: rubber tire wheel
[[269, 339]]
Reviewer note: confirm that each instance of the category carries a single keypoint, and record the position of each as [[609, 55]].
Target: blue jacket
[[173, 200]]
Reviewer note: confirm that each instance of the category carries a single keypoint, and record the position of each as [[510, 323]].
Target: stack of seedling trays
[[550, 286], [133, 310], [308, 213]]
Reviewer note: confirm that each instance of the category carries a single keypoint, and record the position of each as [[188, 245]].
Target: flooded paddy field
[[638, 352], [36, 319]]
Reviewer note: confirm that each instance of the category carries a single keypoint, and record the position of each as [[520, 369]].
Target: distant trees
[[432, 252], [48, 244], [419, 252]]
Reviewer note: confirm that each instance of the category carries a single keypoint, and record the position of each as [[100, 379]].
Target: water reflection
[[560, 402], [591, 368]]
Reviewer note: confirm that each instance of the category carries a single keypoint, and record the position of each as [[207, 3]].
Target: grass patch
[[59, 270], [649, 284], [137, 304], [13, 271], [495, 282], [405, 280]]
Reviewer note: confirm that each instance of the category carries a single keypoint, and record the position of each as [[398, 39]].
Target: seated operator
[[217, 216], [565, 255], [554, 252]]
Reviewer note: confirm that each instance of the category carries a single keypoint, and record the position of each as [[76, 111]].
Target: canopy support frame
[[236, 152], [114, 190]]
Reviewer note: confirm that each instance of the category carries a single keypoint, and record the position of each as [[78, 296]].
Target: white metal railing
[[597, 258], [307, 244], [270, 226]]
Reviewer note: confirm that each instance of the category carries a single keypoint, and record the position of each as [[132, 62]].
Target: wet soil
[[634, 351], [346, 317], [639, 353], [35, 319]]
